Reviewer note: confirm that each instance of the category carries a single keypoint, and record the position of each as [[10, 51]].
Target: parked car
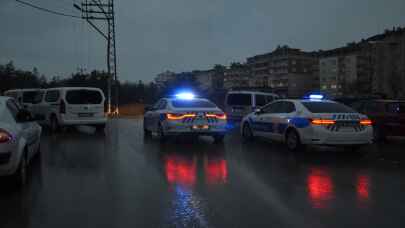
[[311, 121], [240, 103], [69, 106], [388, 116], [25, 97], [20, 139], [185, 115]]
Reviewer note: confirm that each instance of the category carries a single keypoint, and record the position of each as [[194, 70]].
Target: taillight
[[322, 122], [220, 116], [5, 136], [174, 116], [62, 107], [366, 122]]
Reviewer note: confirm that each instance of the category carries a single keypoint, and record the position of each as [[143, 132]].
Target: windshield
[[327, 107], [84, 97], [240, 99], [192, 104]]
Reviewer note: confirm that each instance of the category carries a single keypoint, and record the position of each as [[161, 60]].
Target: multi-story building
[[236, 76], [287, 71], [388, 61], [164, 78], [205, 78]]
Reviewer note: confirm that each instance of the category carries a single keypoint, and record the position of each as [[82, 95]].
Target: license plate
[[200, 127], [86, 114]]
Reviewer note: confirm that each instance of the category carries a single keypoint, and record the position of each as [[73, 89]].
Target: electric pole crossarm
[[97, 29]]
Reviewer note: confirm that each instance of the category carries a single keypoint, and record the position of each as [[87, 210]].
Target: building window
[[333, 86]]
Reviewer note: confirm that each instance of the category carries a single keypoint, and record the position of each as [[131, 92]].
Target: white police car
[[309, 121], [185, 114]]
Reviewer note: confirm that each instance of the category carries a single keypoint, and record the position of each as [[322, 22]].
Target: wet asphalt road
[[82, 179]]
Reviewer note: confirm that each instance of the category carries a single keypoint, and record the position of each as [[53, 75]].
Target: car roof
[[251, 92], [177, 99], [73, 88], [306, 100], [23, 90]]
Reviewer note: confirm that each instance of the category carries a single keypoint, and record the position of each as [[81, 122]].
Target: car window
[[269, 99], [239, 99], [260, 100], [358, 106], [276, 107], [397, 107], [13, 108], [84, 97], [288, 107], [29, 96], [371, 107], [162, 105], [157, 104], [52, 96], [193, 104], [38, 97], [327, 107]]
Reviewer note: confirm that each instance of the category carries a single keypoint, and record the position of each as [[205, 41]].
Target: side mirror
[[258, 111], [148, 108], [24, 116]]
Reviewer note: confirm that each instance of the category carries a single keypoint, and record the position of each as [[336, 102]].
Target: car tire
[[378, 135], [55, 127], [219, 139], [100, 128], [293, 141], [161, 133], [247, 133], [20, 176]]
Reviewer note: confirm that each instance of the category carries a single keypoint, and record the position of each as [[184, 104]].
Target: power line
[[47, 10]]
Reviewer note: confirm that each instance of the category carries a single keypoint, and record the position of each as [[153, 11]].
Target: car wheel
[[293, 141], [161, 133], [20, 176], [100, 128], [247, 133], [378, 134], [55, 127], [219, 138]]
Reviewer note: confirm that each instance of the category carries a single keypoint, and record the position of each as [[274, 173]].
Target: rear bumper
[[92, 121], [323, 137], [186, 129]]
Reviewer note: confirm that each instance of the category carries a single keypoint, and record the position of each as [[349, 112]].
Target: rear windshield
[[29, 96], [398, 107], [327, 107], [84, 97], [239, 99], [193, 104]]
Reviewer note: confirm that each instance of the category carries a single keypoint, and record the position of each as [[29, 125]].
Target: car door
[[262, 124], [51, 103], [27, 129], [280, 119], [149, 116]]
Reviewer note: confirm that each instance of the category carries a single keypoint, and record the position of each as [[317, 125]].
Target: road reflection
[[363, 190], [320, 188]]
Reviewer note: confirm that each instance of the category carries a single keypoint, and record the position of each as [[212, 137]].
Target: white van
[[240, 103], [69, 106], [25, 97]]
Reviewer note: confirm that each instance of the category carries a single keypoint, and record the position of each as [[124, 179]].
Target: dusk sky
[[183, 35]]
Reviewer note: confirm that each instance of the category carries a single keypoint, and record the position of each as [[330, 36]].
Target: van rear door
[[238, 105], [84, 102]]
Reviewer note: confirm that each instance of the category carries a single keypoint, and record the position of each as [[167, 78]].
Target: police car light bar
[[316, 96], [185, 96]]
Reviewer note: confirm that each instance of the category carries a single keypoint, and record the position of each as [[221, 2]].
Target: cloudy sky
[[182, 35]]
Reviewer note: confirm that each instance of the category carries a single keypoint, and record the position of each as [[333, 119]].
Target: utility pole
[[103, 10]]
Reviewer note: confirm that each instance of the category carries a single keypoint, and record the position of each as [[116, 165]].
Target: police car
[[185, 114], [309, 121]]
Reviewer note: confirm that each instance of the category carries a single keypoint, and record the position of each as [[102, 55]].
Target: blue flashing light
[[185, 96], [316, 96]]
